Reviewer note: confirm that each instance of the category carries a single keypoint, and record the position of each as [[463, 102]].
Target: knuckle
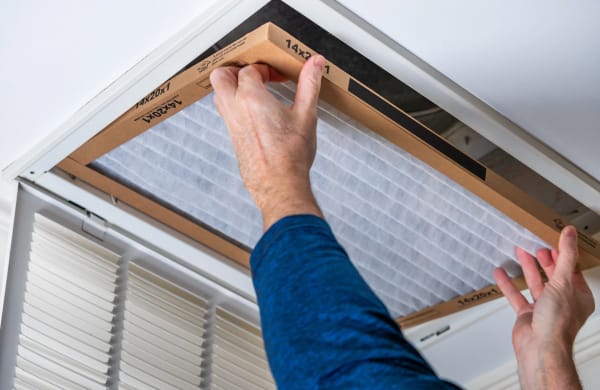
[[249, 71], [216, 75]]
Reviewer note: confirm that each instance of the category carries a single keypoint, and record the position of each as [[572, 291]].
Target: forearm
[[290, 197]]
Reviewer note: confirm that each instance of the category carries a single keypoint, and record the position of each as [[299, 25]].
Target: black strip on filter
[[417, 129]]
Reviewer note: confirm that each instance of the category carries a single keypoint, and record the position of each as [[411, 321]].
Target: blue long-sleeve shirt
[[323, 327]]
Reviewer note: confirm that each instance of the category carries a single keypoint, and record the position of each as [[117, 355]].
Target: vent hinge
[[95, 225]]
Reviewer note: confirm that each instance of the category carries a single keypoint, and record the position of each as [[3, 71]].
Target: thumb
[[567, 253], [309, 85]]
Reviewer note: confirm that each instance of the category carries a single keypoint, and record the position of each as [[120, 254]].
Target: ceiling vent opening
[[417, 236]]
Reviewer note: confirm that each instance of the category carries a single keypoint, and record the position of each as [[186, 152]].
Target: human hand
[[275, 144], [545, 330]]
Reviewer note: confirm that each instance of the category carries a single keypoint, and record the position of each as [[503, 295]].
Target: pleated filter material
[[68, 311], [417, 237]]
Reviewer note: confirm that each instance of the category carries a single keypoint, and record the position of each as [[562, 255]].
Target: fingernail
[[570, 232], [319, 62]]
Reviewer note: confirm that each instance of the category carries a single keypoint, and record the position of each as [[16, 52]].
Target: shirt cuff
[[281, 227]]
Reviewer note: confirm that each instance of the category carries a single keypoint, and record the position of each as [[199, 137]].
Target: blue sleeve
[[322, 325]]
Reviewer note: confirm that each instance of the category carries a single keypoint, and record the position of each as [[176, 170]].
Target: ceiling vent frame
[[270, 44]]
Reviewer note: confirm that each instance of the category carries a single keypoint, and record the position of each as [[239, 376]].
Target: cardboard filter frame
[[271, 45]]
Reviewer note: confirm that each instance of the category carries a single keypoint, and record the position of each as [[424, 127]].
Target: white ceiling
[[536, 62], [58, 55]]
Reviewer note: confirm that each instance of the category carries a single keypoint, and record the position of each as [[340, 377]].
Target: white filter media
[[417, 237]]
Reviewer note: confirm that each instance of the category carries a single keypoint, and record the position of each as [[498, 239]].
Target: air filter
[[417, 237], [423, 222]]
